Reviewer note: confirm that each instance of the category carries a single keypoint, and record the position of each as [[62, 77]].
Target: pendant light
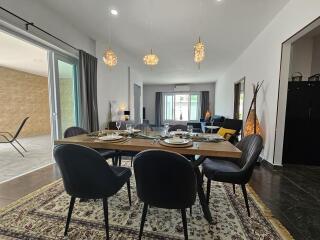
[[109, 56], [199, 48], [150, 59]]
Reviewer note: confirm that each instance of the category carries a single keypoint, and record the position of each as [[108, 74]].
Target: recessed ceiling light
[[114, 12], [219, 0]]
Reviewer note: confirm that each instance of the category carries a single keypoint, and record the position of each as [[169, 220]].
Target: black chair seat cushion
[[106, 153], [128, 153], [221, 170], [122, 172]]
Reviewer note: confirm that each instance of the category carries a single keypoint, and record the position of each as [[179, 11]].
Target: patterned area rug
[[42, 215]]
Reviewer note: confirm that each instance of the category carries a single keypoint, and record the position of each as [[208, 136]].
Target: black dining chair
[[196, 127], [235, 171], [176, 127], [75, 131], [166, 180], [87, 175], [10, 138]]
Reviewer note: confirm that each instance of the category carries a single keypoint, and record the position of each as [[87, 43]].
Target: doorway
[[239, 99], [64, 93], [137, 104], [23, 93], [297, 113], [40, 84]]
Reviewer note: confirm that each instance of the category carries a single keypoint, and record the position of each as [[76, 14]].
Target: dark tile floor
[[292, 193]]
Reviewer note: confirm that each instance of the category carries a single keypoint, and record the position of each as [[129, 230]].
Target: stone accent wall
[[23, 94]]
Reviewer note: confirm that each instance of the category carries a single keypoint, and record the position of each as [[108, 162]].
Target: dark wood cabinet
[[302, 129]]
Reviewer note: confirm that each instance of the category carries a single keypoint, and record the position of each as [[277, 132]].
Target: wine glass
[[190, 129], [118, 124], [166, 128]]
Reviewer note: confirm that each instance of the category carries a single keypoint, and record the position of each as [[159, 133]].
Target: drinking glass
[[118, 124], [129, 127], [190, 129], [166, 128]]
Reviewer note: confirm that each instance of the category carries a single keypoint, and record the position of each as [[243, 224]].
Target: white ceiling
[[21, 55], [226, 27]]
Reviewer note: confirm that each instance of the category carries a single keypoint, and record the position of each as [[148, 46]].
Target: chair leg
[[69, 215], [129, 191], [119, 160], [131, 161], [184, 221], [143, 219], [17, 149], [202, 175], [106, 220], [190, 210], [208, 190], [234, 188], [21, 145], [244, 191]]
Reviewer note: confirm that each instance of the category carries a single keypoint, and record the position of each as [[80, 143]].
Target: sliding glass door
[[64, 92]]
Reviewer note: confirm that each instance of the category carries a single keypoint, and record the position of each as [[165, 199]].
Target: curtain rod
[[27, 24]]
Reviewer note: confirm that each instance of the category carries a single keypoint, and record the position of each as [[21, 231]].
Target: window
[[181, 106]]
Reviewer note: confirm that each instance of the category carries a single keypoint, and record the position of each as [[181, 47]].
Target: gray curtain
[[88, 92], [204, 103], [158, 109]]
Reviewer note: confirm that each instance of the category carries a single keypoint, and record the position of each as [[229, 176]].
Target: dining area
[[170, 168]]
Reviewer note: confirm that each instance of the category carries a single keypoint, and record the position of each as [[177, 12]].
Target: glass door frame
[[53, 58]]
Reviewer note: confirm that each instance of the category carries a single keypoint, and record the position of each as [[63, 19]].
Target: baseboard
[[25, 173], [269, 165]]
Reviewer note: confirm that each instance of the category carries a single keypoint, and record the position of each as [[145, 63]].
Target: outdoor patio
[[39, 154]]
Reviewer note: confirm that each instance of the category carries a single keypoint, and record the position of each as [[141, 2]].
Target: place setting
[[176, 142]]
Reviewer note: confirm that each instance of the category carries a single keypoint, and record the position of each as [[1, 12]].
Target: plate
[[176, 141], [179, 132], [110, 138], [133, 130], [215, 137]]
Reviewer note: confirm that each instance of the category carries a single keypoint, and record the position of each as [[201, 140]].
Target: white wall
[[261, 61], [113, 84], [43, 17], [149, 94]]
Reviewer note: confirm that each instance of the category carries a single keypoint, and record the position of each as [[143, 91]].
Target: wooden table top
[[211, 149]]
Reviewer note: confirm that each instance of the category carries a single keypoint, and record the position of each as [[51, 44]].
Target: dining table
[[203, 145]]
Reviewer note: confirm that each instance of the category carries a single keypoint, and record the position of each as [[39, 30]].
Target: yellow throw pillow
[[226, 133]]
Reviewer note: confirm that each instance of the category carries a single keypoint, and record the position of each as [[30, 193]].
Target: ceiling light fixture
[[151, 59], [114, 12], [198, 48], [110, 58], [199, 52]]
